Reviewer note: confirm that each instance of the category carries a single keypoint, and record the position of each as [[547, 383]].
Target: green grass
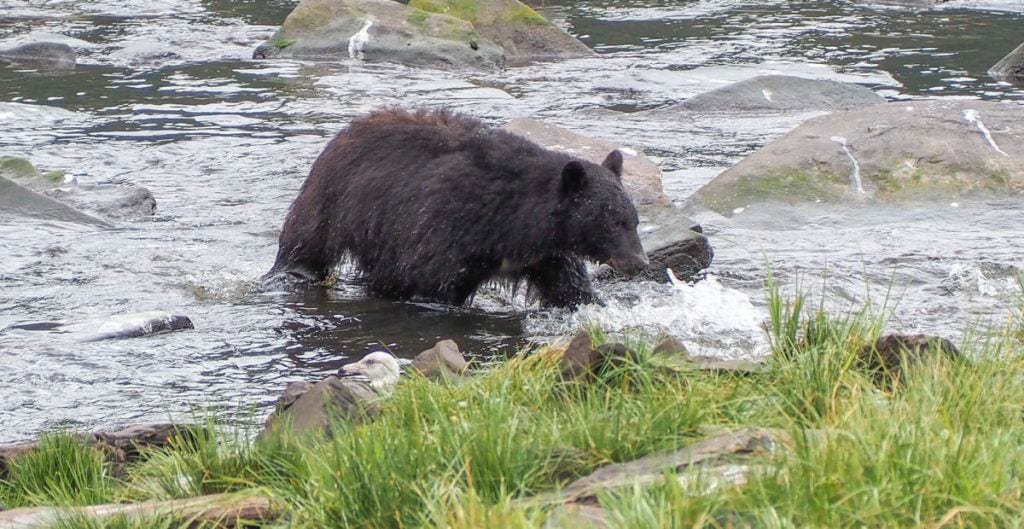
[[940, 449]]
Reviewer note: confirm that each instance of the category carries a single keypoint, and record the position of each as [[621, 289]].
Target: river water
[[165, 96]]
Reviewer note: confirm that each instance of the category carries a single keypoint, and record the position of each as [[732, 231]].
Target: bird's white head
[[381, 368]]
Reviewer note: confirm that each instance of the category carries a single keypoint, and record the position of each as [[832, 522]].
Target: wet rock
[[888, 358], [583, 361], [24, 173], [906, 151], [441, 362], [524, 35], [380, 30], [579, 357], [134, 325], [670, 239], [1011, 67], [671, 346], [720, 461], [19, 202], [308, 408], [41, 55], [781, 93], [108, 200], [111, 201]]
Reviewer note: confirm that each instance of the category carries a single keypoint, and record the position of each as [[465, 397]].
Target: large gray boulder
[[525, 35], [918, 150], [107, 200], [1011, 67], [781, 93], [380, 30], [41, 55], [19, 202], [670, 239]]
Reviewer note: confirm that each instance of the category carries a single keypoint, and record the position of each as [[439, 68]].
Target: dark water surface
[[166, 97]]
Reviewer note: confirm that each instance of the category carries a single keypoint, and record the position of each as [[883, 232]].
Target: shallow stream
[[165, 96]]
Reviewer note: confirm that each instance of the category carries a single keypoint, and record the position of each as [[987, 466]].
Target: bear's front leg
[[561, 281]]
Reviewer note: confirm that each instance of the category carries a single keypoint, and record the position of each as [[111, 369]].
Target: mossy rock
[[22, 171], [380, 30], [525, 35], [908, 151]]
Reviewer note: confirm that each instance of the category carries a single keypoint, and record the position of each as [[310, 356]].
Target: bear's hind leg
[[561, 281]]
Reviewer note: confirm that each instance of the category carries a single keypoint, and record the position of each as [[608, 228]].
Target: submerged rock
[[41, 55], [916, 150], [781, 93], [380, 30], [134, 325], [670, 239], [1011, 67], [524, 35]]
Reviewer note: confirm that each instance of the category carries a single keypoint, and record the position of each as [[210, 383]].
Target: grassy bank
[[942, 448]]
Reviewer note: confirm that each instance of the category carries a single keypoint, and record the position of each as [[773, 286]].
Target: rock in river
[[132, 325], [380, 30], [942, 149], [670, 239], [1011, 67], [525, 35], [433, 33], [41, 55], [781, 93], [17, 201]]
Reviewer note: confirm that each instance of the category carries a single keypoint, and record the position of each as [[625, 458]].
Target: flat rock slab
[[715, 462], [221, 510], [780, 93], [380, 30], [941, 149], [670, 239]]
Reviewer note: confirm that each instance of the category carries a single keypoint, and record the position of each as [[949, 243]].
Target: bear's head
[[601, 220]]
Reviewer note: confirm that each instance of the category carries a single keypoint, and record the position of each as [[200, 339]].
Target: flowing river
[[166, 96]]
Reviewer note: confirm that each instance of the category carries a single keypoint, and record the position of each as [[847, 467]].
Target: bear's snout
[[630, 265]]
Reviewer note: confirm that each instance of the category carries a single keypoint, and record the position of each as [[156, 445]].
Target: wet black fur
[[431, 204]]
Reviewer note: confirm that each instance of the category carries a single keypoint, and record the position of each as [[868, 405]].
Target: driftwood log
[[121, 446], [225, 510]]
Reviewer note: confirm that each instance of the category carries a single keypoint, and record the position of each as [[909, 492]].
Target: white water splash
[[855, 176], [708, 318], [357, 41], [974, 118]]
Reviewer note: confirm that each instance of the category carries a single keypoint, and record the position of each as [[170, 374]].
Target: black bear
[[430, 204]]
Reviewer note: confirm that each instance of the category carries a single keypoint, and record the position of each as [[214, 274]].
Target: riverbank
[[934, 446]]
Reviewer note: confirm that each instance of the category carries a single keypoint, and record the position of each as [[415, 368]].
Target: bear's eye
[[623, 224]]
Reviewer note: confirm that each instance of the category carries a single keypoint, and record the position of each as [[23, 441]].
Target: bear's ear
[[614, 163], [574, 177]]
